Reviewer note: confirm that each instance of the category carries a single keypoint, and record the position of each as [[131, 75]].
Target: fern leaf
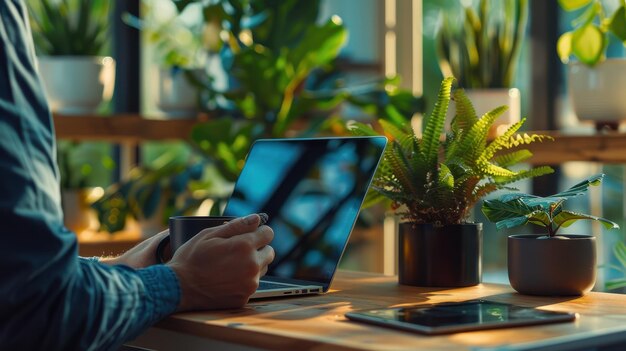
[[530, 173], [461, 124], [445, 178], [402, 170], [512, 158], [482, 191], [435, 124], [490, 169], [395, 132], [474, 142], [525, 139], [501, 141], [372, 198], [465, 114]]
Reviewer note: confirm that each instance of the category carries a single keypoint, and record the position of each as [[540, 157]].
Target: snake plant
[[483, 51], [430, 179], [69, 27]]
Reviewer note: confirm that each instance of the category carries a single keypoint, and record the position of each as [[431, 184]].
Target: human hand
[[221, 266], [142, 255]]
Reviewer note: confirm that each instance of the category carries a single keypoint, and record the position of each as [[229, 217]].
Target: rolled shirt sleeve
[[49, 297]]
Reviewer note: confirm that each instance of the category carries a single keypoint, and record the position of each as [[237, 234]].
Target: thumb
[[237, 226]]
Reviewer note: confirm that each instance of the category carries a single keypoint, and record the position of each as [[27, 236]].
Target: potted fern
[[433, 183], [70, 38], [595, 83], [549, 263], [482, 50]]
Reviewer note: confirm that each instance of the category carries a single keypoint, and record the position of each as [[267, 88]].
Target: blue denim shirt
[[49, 297]]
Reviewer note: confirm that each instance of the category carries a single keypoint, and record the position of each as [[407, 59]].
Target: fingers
[[235, 227], [265, 256], [259, 238]]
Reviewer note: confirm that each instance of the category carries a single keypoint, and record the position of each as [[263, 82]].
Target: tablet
[[459, 316]]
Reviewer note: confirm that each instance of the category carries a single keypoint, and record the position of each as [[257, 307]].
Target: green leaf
[[620, 252], [618, 24], [361, 129], [588, 44], [318, 47], [564, 46], [497, 210], [446, 179], [571, 5], [616, 284], [566, 218], [512, 158], [435, 123], [581, 187], [395, 132], [514, 213]]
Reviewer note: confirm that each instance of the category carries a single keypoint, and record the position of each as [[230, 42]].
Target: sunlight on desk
[[318, 322]]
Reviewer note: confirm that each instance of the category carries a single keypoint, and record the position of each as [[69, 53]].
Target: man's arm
[[48, 297]]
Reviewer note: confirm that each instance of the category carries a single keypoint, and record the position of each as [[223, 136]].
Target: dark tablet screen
[[451, 317]]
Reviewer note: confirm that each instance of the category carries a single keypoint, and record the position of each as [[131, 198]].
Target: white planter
[[485, 100], [598, 93], [175, 96], [77, 84]]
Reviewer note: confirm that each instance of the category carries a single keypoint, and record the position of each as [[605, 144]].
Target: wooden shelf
[[588, 147], [597, 147], [123, 128]]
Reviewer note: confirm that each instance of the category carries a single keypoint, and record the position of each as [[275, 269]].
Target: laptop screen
[[312, 190]]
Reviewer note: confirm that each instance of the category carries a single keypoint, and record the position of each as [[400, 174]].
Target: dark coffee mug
[[183, 228]]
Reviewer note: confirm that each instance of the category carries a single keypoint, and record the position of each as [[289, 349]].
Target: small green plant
[[619, 250], [69, 27], [513, 210], [83, 165], [168, 186], [439, 181], [590, 37], [482, 51]]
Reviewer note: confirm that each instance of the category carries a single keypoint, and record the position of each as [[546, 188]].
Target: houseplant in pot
[[285, 48], [175, 42], [433, 183], [171, 185], [82, 167], [70, 38], [595, 83], [549, 263], [482, 51]]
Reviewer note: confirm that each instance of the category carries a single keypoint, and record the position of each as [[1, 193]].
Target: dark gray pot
[[552, 267], [447, 256]]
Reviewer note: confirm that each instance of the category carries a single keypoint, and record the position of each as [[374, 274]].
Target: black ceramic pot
[[447, 256], [552, 267]]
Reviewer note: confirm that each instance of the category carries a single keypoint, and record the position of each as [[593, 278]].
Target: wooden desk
[[318, 322]]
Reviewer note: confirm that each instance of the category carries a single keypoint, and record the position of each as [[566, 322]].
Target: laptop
[[312, 189]]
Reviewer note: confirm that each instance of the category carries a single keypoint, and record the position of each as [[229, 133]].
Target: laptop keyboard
[[265, 285]]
